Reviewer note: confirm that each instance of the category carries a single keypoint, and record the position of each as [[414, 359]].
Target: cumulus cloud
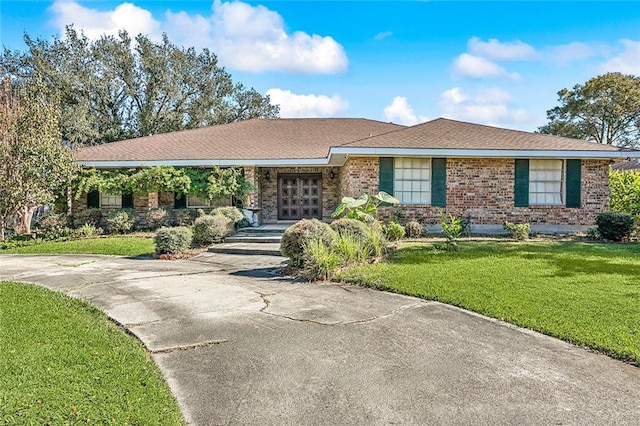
[[627, 61], [293, 105], [399, 111], [382, 35], [245, 37], [479, 67], [94, 23], [494, 49], [488, 106], [574, 51]]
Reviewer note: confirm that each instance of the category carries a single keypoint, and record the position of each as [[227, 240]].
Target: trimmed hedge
[[209, 229], [173, 240], [299, 234], [615, 226]]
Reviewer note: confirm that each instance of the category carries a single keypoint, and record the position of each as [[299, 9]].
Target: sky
[[496, 63]]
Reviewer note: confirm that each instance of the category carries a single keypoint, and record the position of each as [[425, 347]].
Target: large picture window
[[546, 182], [110, 201], [412, 180]]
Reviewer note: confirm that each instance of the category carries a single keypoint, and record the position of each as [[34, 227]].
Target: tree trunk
[[24, 216], [69, 201]]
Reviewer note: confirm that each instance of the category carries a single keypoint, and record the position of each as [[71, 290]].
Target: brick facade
[[483, 190]]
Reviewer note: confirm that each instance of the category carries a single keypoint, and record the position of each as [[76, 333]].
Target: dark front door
[[299, 196]]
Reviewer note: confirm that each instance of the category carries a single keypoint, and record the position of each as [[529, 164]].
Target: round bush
[[157, 218], [394, 231], [615, 226], [183, 217], [173, 240], [413, 229], [51, 224], [121, 221], [209, 229], [87, 216], [299, 234], [233, 213], [352, 227]]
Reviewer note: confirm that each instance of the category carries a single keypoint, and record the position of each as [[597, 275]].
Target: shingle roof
[[292, 138], [444, 133], [630, 165]]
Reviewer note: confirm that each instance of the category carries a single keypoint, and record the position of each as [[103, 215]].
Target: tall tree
[[116, 88], [606, 109], [34, 165]]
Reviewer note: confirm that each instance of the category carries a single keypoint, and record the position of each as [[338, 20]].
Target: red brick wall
[[484, 190]]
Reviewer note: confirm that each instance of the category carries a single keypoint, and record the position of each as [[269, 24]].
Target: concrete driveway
[[241, 346]]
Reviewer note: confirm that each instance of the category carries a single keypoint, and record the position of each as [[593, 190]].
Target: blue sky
[[497, 63]]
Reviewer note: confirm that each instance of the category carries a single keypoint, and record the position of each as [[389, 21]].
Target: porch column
[[252, 200]]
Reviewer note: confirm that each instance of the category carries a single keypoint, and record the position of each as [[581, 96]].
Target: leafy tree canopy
[[117, 88], [606, 109]]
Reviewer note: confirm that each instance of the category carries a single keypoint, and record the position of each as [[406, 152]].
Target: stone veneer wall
[[483, 189], [268, 189]]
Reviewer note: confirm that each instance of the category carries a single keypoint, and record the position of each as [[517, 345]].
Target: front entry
[[299, 197]]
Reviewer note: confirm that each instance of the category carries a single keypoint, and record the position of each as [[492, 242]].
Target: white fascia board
[[207, 163], [482, 153]]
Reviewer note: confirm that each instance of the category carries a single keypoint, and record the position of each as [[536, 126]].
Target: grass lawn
[[119, 245], [588, 294], [64, 362]]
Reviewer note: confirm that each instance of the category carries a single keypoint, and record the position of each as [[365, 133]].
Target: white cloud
[[245, 37], [293, 105], [494, 49], [627, 61], [399, 111], [478, 67], [489, 106], [94, 23], [570, 52], [382, 35]]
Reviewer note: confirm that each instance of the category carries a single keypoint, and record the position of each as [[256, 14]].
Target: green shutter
[[386, 175], [439, 182], [574, 181], [180, 201], [521, 187], [127, 200], [93, 200]]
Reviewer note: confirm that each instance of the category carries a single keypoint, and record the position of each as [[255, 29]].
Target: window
[[110, 201], [195, 202], [412, 180], [546, 183]]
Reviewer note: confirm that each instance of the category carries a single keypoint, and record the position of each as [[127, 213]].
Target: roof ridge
[[390, 131]]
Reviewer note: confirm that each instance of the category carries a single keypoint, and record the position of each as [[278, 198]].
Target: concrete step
[[253, 238], [247, 248]]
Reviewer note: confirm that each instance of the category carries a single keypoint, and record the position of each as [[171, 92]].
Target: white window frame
[[110, 201], [406, 177], [535, 184], [212, 203]]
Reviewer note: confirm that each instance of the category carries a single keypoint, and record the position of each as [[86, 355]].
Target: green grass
[[63, 362], [587, 294], [121, 246]]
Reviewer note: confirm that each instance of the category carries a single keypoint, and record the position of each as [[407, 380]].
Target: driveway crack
[[188, 347]]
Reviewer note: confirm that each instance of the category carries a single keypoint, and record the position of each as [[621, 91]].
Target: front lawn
[[113, 245], [64, 362], [588, 294]]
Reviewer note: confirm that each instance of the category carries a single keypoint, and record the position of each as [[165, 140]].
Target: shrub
[[625, 191], [173, 240], [121, 220], [593, 234], [299, 234], [517, 231], [157, 218], [319, 260], [452, 227], [351, 248], [90, 216], [376, 240], [233, 213], [394, 231], [414, 229], [183, 217], [615, 226], [353, 227], [52, 225], [209, 229]]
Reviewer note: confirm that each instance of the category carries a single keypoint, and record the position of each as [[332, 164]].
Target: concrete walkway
[[239, 345]]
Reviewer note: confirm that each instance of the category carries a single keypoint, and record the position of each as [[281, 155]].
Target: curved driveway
[[239, 345]]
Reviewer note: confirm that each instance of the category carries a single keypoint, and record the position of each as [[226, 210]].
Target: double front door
[[299, 196]]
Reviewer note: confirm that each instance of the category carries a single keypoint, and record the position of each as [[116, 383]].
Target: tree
[[116, 88], [34, 165], [606, 109]]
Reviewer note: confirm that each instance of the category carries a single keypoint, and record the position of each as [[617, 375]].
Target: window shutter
[[93, 200], [386, 175], [574, 181], [521, 186], [439, 182], [180, 201], [127, 200]]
